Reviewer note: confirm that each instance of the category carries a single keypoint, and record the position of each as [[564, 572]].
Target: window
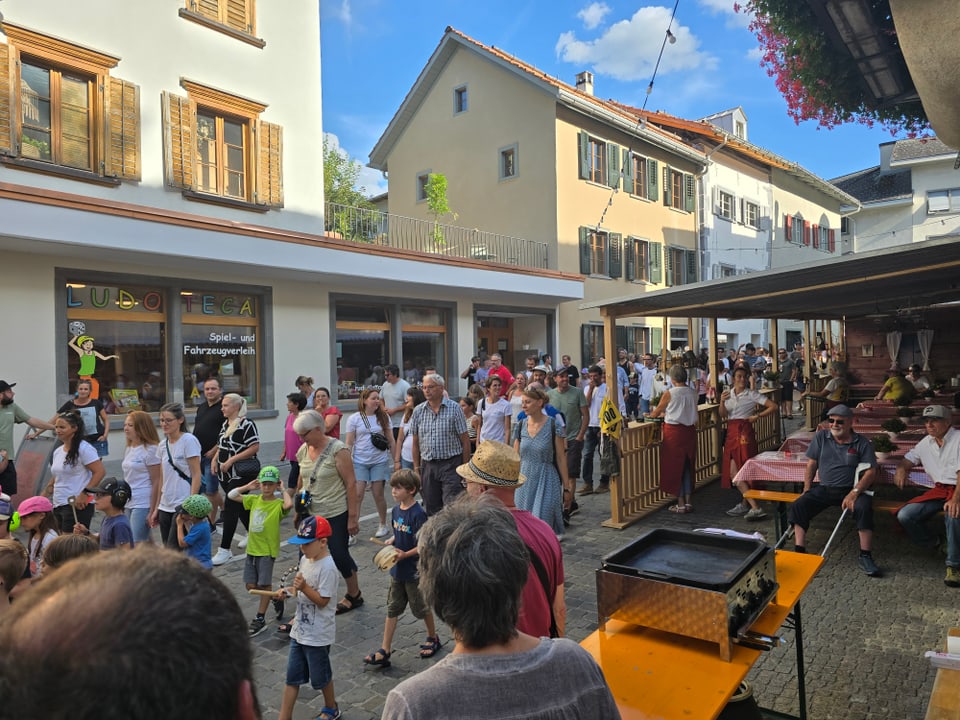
[[591, 344], [824, 243], [725, 205], [751, 214], [213, 333], [600, 253], [74, 118], [644, 260], [681, 266], [508, 163], [599, 160], [422, 180], [236, 18], [460, 100], [725, 271], [943, 201], [740, 130], [793, 226], [679, 189], [845, 225], [640, 176], [217, 149]]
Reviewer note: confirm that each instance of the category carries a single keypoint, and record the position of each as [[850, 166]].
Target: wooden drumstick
[[71, 501], [265, 593], [378, 541]]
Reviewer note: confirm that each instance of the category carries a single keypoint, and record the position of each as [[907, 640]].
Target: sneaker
[[222, 556], [257, 626], [585, 490], [739, 510], [352, 541], [382, 531], [560, 537], [574, 508], [602, 488], [242, 542], [869, 566], [566, 517], [755, 514], [953, 577]]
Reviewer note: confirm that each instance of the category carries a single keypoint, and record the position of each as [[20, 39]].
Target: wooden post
[[665, 346], [775, 331], [610, 353]]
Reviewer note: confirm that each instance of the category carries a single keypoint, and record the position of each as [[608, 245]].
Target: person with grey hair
[[678, 452], [473, 567], [440, 444], [239, 441]]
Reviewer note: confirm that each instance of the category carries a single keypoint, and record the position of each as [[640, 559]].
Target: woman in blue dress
[[539, 439]]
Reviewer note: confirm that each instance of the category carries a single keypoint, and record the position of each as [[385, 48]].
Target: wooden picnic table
[[782, 467]]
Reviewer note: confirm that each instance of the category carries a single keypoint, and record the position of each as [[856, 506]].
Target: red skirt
[[741, 445], [679, 447]]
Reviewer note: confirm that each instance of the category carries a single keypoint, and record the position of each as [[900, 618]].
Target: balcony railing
[[373, 227]]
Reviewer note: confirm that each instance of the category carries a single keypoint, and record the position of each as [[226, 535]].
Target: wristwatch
[[855, 490]]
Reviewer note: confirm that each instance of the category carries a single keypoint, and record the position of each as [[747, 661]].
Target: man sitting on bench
[[836, 453], [939, 453]]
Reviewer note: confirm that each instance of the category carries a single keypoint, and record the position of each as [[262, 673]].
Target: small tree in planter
[[436, 191], [906, 411], [883, 446], [894, 425]]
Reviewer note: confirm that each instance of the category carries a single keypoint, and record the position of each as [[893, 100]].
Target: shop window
[[68, 115], [217, 149]]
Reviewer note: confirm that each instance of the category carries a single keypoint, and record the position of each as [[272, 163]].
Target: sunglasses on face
[[836, 421]]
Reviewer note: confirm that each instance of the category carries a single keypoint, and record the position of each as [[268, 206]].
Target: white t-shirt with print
[[492, 416], [312, 625]]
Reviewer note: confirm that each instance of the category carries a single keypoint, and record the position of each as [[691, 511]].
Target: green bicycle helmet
[[197, 505]]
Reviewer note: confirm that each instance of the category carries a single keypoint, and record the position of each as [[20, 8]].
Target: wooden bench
[[945, 698]]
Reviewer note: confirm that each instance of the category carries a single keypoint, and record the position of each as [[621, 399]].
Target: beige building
[[527, 155]]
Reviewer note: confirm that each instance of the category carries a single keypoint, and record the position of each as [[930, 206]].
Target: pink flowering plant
[[818, 82]]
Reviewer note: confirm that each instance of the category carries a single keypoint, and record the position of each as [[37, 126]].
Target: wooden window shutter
[[815, 233], [833, 241], [178, 143], [270, 160], [656, 262], [691, 259], [806, 232], [616, 254], [123, 130], [630, 259], [656, 341], [653, 192], [613, 165], [627, 170], [585, 250], [8, 102], [667, 187], [237, 16], [788, 227], [689, 192], [583, 142]]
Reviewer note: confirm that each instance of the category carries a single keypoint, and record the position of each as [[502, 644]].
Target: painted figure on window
[[83, 346]]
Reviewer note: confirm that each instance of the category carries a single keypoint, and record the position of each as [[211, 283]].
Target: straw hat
[[493, 464]]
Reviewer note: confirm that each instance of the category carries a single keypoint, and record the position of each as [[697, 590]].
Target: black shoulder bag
[[181, 473], [378, 439]]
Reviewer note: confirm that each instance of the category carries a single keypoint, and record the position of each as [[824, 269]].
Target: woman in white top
[[495, 414], [141, 470], [179, 454], [739, 406], [75, 466], [678, 452], [403, 449], [371, 465], [515, 395]]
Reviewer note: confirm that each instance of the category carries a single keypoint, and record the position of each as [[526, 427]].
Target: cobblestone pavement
[[864, 637]]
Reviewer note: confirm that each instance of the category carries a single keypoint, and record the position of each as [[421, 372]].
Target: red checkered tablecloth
[[789, 467]]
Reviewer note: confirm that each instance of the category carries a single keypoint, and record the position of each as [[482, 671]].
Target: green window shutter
[[627, 171], [585, 250], [613, 165], [690, 256], [123, 130], [689, 192], [667, 187], [584, 144], [622, 337], [616, 254], [668, 266], [8, 101], [653, 192], [630, 259], [178, 143], [656, 262], [656, 341]]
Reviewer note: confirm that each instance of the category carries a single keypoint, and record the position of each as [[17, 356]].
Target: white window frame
[[729, 212], [501, 164], [950, 198], [750, 207], [797, 230]]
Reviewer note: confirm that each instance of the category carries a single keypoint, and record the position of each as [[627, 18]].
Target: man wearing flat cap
[[836, 453], [495, 469], [939, 453]]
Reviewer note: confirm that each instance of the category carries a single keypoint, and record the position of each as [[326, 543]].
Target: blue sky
[[373, 51]]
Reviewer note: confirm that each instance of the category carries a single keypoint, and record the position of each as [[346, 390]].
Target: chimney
[[585, 82]]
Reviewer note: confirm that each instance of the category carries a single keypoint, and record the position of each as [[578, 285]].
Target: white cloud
[[370, 181], [593, 14], [755, 54], [628, 49], [344, 12], [726, 8]]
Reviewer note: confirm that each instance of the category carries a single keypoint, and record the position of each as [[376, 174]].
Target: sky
[[373, 50]]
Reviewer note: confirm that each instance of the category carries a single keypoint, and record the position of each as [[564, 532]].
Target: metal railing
[[362, 225]]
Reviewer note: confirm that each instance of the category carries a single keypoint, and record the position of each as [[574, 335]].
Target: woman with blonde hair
[[370, 439], [239, 442], [141, 470]]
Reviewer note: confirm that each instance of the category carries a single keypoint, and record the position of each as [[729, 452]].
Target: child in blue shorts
[[314, 627], [193, 529]]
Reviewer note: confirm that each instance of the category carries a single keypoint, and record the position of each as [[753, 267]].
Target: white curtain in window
[[925, 340], [893, 346]]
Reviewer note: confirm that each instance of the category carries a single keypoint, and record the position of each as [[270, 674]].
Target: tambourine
[[386, 557]]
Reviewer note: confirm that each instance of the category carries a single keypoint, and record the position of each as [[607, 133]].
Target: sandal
[[285, 628], [382, 661], [688, 507], [430, 648], [329, 713], [679, 509], [354, 603]]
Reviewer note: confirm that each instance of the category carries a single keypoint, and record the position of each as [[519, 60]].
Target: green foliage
[[340, 176], [894, 425], [436, 192], [883, 444], [906, 410]]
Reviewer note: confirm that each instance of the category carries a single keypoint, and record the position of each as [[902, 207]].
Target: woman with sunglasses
[[75, 466]]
